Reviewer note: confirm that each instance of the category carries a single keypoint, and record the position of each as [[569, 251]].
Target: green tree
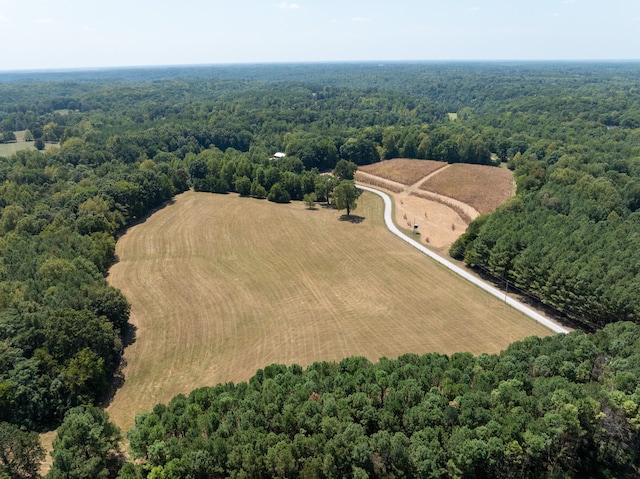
[[345, 170], [448, 151], [50, 132], [361, 151], [111, 303], [278, 194], [87, 446], [20, 453], [346, 196], [8, 136], [310, 200], [198, 169], [258, 190], [390, 143], [324, 187], [243, 186]]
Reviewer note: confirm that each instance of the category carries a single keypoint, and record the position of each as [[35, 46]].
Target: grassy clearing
[[482, 187], [8, 149], [221, 286], [402, 170]]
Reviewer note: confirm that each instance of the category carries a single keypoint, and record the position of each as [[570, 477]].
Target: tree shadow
[[355, 219], [117, 380], [115, 260], [129, 335]]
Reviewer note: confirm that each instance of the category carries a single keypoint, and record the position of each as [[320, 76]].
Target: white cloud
[[44, 21], [360, 19], [3, 19], [474, 9], [555, 14], [569, 1], [287, 6]]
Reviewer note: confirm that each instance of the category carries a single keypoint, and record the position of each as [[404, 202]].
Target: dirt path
[[419, 183]]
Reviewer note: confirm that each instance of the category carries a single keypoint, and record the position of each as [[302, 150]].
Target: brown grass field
[[221, 286], [482, 187], [402, 170]]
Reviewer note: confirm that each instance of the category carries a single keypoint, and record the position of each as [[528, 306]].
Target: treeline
[[562, 406]]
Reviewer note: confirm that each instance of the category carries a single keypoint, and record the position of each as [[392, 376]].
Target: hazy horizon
[[514, 61], [75, 35]]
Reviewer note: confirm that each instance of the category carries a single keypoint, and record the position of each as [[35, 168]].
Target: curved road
[[456, 269]]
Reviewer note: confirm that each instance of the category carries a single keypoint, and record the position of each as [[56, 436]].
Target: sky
[[62, 34]]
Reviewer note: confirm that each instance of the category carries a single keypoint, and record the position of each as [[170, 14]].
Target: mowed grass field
[[221, 286]]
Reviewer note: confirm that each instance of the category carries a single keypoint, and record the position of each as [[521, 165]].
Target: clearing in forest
[[221, 286], [8, 149]]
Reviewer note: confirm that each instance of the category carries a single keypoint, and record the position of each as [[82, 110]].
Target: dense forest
[[113, 145]]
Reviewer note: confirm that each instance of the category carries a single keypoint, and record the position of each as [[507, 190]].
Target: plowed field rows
[[482, 187], [402, 170], [221, 286]]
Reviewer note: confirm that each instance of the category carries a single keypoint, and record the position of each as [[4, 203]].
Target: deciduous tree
[[87, 446], [346, 196], [310, 200], [20, 453], [345, 170]]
